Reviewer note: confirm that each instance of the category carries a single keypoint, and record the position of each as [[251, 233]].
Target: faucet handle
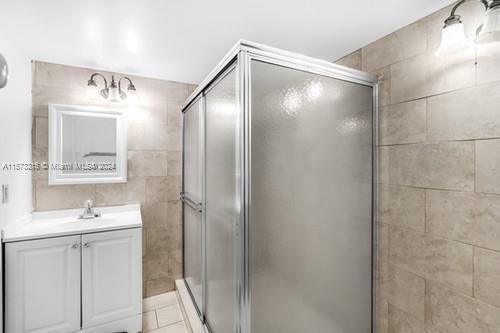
[[88, 204]]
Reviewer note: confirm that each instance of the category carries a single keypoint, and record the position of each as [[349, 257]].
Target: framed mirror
[[87, 145]]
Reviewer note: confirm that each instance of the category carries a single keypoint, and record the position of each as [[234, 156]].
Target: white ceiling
[[183, 40]]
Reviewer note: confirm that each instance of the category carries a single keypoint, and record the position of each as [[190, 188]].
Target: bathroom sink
[[84, 224], [66, 222]]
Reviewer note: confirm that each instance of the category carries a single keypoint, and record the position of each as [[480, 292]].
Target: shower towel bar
[[191, 203]]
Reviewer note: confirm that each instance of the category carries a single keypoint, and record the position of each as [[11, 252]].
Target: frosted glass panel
[[192, 252], [192, 219], [192, 151], [311, 192], [221, 207]]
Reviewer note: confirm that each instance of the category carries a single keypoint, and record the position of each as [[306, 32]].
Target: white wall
[[15, 132]]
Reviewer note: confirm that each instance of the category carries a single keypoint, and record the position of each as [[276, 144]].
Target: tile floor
[[162, 314]]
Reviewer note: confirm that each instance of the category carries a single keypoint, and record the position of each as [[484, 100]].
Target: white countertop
[[65, 222]]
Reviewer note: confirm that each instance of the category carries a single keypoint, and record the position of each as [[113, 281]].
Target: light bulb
[[92, 91], [132, 94], [490, 30], [114, 95], [453, 39]]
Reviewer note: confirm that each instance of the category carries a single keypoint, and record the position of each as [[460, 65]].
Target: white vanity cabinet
[[43, 285], [84, 283], [111, 276]]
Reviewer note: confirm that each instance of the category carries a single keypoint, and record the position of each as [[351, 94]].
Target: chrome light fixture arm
[[454, 18], [104, 92], [131, 86], [113, 88]]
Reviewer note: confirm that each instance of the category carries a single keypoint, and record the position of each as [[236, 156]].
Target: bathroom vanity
[[64, 274]]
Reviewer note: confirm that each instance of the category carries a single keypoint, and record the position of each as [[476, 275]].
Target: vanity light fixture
[[453, 37], [113, 91]]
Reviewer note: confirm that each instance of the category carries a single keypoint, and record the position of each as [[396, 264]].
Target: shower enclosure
[[278, 195]]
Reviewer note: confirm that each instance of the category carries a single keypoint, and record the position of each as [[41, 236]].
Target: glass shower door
[[310, 213], [221, 202], [192, 196]]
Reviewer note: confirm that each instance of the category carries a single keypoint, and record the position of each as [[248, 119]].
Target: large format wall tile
[[43, 96], [383, 165], [402, 44], [466, 217], [403, 206], [174, 115], [403, 123], [40, 156], [454, 313], [465, 114], [62, 196], [406, 291], [437, 259], [427, 75], [41, 133], [57, 76], [152, 136], [352, 60], [156, 265], [131, 192], [447, 165], [156, 189], [147, 163], [488, 166], [401, 322], [174, 163], [174, 212], [487, 276], [488, 63], [382, 264], [154, 214]]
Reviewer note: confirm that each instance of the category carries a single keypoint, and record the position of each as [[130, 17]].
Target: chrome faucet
[[88, 211]]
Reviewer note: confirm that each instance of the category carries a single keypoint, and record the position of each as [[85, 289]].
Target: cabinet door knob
[[86, 245], [75, 246]]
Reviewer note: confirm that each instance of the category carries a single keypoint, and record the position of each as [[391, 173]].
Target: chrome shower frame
[[241, 56]]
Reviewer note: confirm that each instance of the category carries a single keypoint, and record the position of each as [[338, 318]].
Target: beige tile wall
[[154, 163], [439, 194]]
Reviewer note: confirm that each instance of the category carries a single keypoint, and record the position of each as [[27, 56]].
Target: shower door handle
[[191, 203]]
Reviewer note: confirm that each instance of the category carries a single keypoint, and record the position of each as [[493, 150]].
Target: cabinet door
[[111, 276], [43, 285]]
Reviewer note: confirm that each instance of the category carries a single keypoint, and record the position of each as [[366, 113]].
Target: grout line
[[156, 318], [475, 167], [441, 237], [423, 143], [407, 312], [473, 86], [473, 271], [426, 227]]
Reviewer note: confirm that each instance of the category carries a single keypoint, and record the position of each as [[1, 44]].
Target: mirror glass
[[89, 144]]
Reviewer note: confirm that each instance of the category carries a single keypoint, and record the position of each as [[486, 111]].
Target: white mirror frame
[[56, 176]]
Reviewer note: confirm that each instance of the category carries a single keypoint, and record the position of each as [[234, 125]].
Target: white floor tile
[[156, 302], [149, 321], [169, 315], [175, 328]]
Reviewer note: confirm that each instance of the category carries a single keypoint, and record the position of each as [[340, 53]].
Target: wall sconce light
[[4, 72], [113, 92], [454, 39]]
